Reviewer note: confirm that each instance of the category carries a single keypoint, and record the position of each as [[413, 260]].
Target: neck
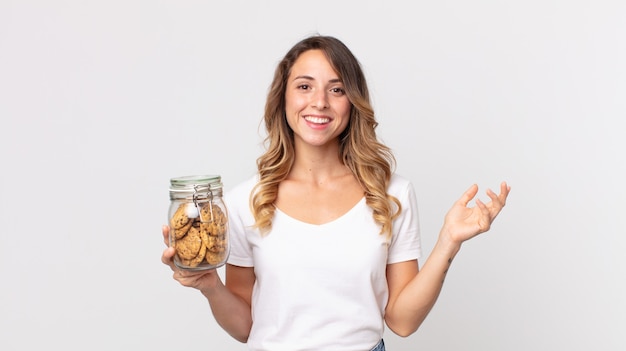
[[318, 164]]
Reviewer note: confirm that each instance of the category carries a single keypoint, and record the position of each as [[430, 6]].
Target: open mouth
[[317, 120]]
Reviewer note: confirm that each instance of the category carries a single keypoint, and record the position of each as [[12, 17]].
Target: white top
[[320, 287]]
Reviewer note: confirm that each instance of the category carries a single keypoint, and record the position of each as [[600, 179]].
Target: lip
[[318, 120]]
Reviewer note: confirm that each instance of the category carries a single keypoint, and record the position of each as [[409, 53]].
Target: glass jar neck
[[205, 187]]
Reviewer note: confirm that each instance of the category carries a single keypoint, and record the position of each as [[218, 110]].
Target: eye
[[338, 91], [304, 87]]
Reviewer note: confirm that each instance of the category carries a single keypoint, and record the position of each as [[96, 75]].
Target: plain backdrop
[[102, 102]]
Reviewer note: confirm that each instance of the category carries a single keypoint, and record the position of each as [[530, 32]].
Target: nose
[[320, 99]]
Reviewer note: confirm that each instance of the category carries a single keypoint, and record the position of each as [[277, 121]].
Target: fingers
[[505, 189], [486, 218], [168, 256], [183, 277], [497, 201], [471, 192], [468, 195], [166, 235], [178, 274], [169, 252], [500, 199]]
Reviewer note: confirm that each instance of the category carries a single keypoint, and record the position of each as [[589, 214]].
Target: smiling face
[[316, 105]]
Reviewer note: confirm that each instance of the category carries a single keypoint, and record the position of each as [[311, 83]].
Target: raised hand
[[463, 223]]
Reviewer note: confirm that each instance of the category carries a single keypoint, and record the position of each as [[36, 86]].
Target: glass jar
[[198, 222]]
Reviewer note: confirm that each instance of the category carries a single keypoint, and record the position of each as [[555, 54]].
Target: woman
[[325, 238]]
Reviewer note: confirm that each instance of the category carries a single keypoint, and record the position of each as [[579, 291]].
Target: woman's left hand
[[463, 223]]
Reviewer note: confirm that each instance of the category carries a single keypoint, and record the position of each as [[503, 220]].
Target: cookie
[[213, 220], [194, 262], [179, 233], [180, 219], [204, 236], [189, 246], [215, 258], [210, 213], [216, 244], [199, 236]]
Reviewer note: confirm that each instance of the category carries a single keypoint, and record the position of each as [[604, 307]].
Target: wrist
[[447, 243], [211, 283]]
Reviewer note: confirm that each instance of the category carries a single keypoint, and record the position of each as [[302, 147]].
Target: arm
[[413, 293], [229, 303]]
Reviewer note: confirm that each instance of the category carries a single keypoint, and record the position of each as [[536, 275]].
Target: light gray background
[[103, 101]]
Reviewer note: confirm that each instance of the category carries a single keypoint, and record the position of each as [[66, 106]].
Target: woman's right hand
[[231, 310], [203, 280]]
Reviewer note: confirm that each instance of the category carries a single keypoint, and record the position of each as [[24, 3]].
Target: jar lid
[[195, 183]]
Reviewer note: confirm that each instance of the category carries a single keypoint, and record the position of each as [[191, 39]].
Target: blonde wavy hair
[[370, 161]]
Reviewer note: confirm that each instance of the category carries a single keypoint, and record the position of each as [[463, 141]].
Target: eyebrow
[[335, 80]]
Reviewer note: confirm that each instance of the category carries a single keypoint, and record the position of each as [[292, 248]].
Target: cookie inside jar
[[198, 227]]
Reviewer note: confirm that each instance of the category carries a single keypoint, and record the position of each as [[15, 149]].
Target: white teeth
[[319, 120]]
